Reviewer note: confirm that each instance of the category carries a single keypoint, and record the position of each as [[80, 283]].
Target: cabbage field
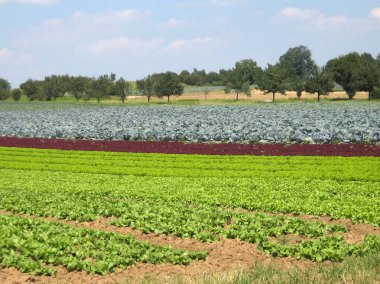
[[333, 122]]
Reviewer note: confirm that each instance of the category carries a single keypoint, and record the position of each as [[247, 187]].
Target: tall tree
[[299, 66], [146, 87], [354, 72], [244, 74], [369, 74], [102, 87], [320, 82], [5, 89], [16, 94], [55, 86], [79, 86], [123, 89], [167, 84], [33, 89], [272, 80], [206, 90]]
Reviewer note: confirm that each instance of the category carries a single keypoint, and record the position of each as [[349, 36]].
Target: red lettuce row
[[348, 150]]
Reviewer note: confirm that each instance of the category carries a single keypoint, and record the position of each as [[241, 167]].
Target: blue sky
[[136, 38]]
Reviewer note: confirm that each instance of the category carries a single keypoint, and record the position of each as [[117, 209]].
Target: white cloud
[[375, 13], [313, 16], [109, 17], [5, 53], [81, 28], [121, 43], [30, 2], [193, 44], [11, 57]]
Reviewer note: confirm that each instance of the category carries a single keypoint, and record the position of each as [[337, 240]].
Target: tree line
[[295, 71]]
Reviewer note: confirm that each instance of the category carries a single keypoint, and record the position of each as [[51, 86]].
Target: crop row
[[309, 186], [202, 222], [190, 166], [349, 150], [36, 246], [283, 123]]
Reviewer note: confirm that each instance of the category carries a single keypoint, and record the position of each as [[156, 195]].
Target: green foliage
[[55, 86], [186, 195], [320, 82], [355, 72], [33, 89], [273, 80], [35, 247], [298, 63], [102, 87], [79, 87], [16, 94], [376, 93], [5, 89], [167, 84], [123, 89], [146, 87]]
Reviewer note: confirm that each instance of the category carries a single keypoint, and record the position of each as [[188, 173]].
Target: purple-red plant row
[[348, 150]]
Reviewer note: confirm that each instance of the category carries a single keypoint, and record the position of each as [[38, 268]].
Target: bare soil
[[225, 256]]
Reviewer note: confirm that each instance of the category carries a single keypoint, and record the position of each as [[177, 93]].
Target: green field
[[206, 198]]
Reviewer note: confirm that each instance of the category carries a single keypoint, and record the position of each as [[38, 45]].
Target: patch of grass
[[355, 270]]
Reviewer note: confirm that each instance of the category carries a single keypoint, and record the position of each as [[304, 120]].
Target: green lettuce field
[[313, 209]]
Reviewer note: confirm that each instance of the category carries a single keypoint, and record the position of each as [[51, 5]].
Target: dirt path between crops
[[225, 257]]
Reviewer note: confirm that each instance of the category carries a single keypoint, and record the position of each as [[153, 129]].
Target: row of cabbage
[[333, 122]]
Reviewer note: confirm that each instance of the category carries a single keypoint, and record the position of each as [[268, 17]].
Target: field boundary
[[168, 147]]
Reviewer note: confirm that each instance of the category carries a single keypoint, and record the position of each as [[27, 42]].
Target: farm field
[[88, 216], [333, 122]]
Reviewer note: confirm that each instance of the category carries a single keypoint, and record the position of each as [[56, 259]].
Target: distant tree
[[206, 90], [185, 77], [246, 89], [227, 88], [225, 76], [213, 78], [123, 89], [298, 85], [101, 87], [16, 94], [273, 81], [320, 82], [247, 70], [5, 89], [146, 86], [33, 89], [198, 77], [79, 87], [299, 66], [244, 74], [55, 86], [369, 74], [167, 84], [355, 72]]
